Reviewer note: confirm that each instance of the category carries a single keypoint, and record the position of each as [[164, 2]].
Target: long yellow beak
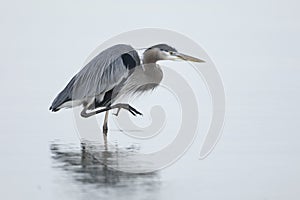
[[188, 58]]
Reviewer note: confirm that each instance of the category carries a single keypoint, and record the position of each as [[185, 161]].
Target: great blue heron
[[115, 72]]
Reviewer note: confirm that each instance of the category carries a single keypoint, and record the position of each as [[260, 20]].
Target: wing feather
[[104, 72]]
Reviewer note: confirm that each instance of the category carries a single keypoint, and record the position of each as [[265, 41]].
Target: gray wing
[[101, 74]]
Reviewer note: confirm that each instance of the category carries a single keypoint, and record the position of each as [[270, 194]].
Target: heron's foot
[[132, 110], [105, 133], [117, 113]]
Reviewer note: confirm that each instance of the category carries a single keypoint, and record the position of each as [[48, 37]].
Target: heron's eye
[[171, 52]]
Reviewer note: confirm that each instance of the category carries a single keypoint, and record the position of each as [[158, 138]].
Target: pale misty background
[[254, 45]]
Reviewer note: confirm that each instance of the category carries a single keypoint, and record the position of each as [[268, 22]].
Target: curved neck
[[150, 56]]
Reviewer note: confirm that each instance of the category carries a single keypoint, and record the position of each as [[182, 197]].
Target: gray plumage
[[101, 74], [163, 47]]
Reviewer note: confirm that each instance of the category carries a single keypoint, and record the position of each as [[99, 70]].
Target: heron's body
[[115, 73], [94, 85]]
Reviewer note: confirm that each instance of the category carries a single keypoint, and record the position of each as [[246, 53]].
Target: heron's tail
[[56, 103], [61, 98], [53, 109], [64, 96]]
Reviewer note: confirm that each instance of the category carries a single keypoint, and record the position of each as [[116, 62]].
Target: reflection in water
[[92, 167]]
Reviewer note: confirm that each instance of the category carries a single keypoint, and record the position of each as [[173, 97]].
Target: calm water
[[92, 169]]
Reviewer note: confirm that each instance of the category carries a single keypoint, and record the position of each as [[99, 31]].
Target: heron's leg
[[126, 107], [105, 123], [119, 106], [86, 115]]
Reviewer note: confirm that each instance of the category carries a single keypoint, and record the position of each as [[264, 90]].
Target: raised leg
[[119, 106], [127, 107]]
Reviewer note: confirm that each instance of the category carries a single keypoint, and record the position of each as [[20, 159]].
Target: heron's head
[[166, 52]]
